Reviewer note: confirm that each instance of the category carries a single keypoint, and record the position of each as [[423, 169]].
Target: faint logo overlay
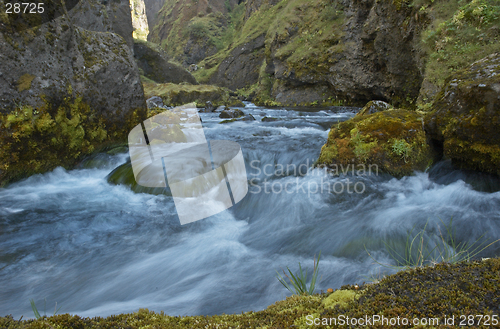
[[300, 179], [204, 178]]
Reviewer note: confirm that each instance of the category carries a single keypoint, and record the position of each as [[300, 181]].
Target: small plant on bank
[[419, 252], [35, 309], [298, 281]]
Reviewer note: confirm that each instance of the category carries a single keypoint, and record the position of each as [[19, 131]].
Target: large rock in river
[[392, 141], [465, 118]]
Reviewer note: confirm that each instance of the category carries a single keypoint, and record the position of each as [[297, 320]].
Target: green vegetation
[[422, 249], [402, 148], [309, 49], [299, 281], [305, 33], [460, 33], [35, 309]]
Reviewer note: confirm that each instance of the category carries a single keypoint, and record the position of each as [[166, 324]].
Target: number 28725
[[24, 7]]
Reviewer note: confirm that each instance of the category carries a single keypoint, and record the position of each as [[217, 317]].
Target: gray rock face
[[62, 60], [242, 66], [70, 89], [375, 57], [105, 16], [254, 5], [197, 49], [152, 9], [378, 59], [153, 61]]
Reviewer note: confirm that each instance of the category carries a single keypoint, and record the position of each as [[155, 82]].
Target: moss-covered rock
[[180, 94], [451, 291], [124, 175], [394, 141], [231, 113], [466, 115], [35, 140], [323, 52]]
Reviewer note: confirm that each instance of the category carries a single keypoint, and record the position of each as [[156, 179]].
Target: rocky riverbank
[[428, 295]]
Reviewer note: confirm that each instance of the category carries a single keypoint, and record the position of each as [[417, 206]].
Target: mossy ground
[[441, 291], [394, 140]]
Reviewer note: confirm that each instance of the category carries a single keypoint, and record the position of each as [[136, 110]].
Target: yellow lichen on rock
[[24, 82]]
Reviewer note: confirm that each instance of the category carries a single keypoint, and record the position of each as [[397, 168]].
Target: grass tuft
[[419, 251], [298, 281]]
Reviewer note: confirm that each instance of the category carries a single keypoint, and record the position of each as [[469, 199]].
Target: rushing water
[[98, 249]]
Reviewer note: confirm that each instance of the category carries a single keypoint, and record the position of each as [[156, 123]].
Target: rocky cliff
[[105, 16], [189, 30], [152, 9], [64, 90], [323, 51], [155, 65]]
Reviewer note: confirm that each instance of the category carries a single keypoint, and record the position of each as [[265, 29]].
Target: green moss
[[341, 298], [35, 140], [318, 35], [24, 82], [362, 148]]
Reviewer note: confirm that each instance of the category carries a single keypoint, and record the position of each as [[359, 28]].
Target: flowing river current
[[99, 249]]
